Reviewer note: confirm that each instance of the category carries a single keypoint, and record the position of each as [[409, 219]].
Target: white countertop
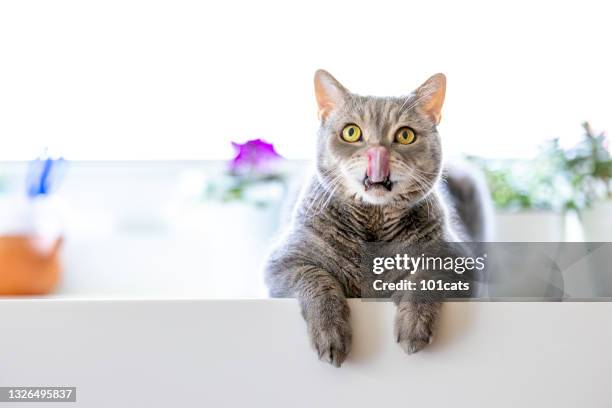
[[154, 353]]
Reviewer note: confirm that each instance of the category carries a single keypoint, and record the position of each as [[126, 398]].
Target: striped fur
[[319, 259]]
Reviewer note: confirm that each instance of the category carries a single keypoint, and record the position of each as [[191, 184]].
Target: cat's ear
[[330, 93], [431, 96]]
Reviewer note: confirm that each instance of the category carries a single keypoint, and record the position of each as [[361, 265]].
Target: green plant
[[556, 179], [524, 184], [259, 190], [504, 191], [590, 165]]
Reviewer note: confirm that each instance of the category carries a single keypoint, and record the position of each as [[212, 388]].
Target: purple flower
[[253, 156]]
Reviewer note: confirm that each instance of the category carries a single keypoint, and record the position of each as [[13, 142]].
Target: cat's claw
[[413, 344], [333, 344], [414, 330]]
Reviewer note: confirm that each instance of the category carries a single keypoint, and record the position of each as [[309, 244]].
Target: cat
[[378, 178]]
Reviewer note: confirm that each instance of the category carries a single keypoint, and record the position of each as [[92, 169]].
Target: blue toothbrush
[[43, 176]]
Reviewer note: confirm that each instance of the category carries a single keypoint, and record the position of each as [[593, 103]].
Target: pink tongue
[[378, 164]]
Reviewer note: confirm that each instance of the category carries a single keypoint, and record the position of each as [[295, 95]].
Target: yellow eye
[[351, 133], [405, 136]]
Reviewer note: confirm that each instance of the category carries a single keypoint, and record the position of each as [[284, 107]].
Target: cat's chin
[[377, 195], [370, 193]]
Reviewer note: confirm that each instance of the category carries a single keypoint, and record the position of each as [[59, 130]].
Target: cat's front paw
[[332, 341], [414, 325]]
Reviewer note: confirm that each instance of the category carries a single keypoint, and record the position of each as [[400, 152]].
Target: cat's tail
[[471, 200]]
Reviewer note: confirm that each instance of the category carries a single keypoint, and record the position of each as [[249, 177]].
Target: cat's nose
[[378, 164]]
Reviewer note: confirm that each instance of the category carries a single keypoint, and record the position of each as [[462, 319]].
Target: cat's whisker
[[325, 190], [419, 171], [319, 190], [326, 203], [409, 97], [424, 186], [416, 102], [333, 185]]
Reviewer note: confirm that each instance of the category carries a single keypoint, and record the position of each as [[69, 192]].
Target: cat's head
[[379, 150]]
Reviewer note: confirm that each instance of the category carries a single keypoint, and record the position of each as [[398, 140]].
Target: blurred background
[[186, 128]]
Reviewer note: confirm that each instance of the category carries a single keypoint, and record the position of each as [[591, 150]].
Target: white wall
[[143, 229], [132, 79]]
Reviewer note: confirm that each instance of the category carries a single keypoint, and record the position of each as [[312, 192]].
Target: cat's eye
[[351, 133], [405, 136]]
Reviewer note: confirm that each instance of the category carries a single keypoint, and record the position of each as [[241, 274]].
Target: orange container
[[27, 266]]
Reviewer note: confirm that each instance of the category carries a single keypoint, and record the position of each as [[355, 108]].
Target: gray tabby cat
[[377, 179]]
